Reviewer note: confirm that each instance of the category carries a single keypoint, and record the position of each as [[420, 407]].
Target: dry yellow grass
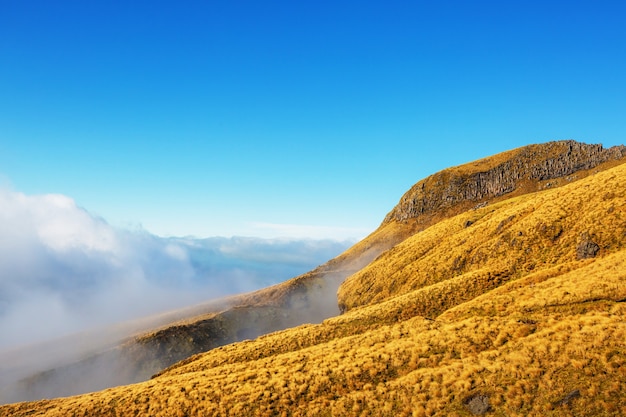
[[491, 306], [502, 241], [525, 357]]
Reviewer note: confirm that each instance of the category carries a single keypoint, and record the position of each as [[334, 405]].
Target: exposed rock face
[[478, 405], [586, 248], [525, 168]]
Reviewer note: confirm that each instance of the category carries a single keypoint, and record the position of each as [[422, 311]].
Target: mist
[[64, 270]]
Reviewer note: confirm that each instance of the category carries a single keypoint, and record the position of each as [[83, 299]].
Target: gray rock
[[586, 248], [478, 404]]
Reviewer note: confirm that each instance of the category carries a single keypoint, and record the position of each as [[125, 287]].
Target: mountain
[[496, 287]]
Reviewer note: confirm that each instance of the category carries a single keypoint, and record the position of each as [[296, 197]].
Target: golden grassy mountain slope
[[513, 308], [499, 242], [311, 297]]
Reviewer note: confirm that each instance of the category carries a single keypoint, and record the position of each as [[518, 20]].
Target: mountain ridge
[[436, 270], [510, 173]]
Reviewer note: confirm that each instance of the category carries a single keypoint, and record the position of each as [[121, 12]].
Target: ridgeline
[[497, 287]]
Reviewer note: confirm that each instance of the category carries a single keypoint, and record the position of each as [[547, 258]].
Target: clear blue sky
[[216, 117]]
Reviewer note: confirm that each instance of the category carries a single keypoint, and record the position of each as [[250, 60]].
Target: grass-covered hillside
[[514, 306]]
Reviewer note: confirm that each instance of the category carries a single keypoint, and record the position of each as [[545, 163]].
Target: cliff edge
[[515, 172]]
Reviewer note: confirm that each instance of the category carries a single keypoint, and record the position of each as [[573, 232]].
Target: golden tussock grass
[[506, 240], [492, 304]]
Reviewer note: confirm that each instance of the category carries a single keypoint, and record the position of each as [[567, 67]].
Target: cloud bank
[[63, 270]]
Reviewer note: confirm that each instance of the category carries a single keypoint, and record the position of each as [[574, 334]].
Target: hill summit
[[494, 288], [511, 173]]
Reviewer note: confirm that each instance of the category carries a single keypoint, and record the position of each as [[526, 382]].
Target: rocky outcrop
[[586, 248], [525, 169]]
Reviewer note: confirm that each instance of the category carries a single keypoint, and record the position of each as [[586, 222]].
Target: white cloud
[[63, 270], [176, 252], [62, 226]]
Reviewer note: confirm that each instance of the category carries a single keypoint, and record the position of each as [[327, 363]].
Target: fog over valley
[[64, 270]]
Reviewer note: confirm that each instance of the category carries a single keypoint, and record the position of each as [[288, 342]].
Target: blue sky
[[281, 118]]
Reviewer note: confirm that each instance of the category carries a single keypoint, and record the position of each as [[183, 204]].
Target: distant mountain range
[[495, 287]]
